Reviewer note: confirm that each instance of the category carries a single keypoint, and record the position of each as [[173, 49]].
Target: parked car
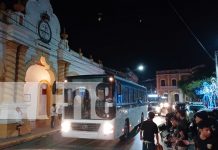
[[164, 107], [192, 108], [154, 107], [179, 106]]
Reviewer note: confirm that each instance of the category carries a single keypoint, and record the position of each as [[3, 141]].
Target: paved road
[[55, 141]]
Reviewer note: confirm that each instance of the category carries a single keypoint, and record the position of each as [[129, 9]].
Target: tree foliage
[[189, 85]]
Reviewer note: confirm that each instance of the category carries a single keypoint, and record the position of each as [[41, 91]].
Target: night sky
[[125, 33]]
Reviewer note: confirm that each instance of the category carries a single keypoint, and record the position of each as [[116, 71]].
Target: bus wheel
[[126, 128]]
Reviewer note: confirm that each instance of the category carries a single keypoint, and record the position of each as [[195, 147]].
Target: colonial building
[[167, 84], [33, 55]]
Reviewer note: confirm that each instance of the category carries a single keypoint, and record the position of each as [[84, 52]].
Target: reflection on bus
[[97, 107]]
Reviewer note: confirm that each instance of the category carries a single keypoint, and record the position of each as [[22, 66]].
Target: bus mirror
[[106, 91]]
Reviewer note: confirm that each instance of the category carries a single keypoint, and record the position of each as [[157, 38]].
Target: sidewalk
[[36, 133]]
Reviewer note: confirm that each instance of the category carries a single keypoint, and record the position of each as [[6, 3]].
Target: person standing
[[147, 131], [60, 111], [198, 117], [53, 114], [19, 120]]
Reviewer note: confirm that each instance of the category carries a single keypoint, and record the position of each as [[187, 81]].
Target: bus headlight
[[166, 104], [108, 128], [157, 109], [65, 126], [161, 105]]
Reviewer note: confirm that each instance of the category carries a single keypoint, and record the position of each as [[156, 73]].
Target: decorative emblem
[[44, 29]]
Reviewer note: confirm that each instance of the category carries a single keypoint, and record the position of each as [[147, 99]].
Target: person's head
[[54, 105], [204, 128], [182, 114], [200, 116], [18, 109], [170, 109], [151, 115], [177, 115], [174, 121], [215, 113]]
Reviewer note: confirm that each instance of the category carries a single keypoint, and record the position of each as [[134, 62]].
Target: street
[[55, 141]]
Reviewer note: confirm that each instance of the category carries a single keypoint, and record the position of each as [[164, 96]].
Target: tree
[[193, 82]]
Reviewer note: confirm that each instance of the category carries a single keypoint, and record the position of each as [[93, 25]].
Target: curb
[[25, 139]]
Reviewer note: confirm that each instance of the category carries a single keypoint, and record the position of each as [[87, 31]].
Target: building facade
[[33, 56], [167, 84]]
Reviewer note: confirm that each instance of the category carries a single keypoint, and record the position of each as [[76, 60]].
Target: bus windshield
[[89, 99]]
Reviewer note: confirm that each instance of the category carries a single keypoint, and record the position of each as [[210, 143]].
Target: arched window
[[176, 97], [174, 82], [162, 83]]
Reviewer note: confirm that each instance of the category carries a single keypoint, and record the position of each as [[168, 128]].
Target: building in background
[[167, 84]]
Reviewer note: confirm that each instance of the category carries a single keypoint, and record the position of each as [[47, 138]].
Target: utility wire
[[189, 29]]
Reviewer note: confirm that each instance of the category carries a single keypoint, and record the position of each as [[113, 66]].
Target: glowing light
[[65, 126], [108, 128], [157, 109], [163, 97], [37, 73], [209, 93], [140, 67], [152, 95], [161, 105], [111, 79], [166, 105]]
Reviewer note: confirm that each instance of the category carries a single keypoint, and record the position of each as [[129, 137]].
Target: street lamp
[[141, 68]]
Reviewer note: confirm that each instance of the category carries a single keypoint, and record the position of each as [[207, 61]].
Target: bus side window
[[131, 95], [126, 95], [68, 96], [86, 105], [101, 94], [119, 93]]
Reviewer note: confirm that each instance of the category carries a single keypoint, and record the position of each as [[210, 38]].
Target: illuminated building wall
[[34, 49], [167, 84]]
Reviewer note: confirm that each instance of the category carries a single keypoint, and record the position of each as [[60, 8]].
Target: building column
[[10, 71], [10, 60], [63, 68], [21, 63], [181, 96], [20, 72]]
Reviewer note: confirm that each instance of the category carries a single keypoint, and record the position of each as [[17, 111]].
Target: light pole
[[132, 74], [140, 69]]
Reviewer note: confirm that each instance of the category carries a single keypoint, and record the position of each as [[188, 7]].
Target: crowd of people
[[201, 132]]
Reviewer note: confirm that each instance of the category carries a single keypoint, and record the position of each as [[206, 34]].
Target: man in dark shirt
[[204, 140], [183, 122], [148, 129], [178, 135], [198, 117]]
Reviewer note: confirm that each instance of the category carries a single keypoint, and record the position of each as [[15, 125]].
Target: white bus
[[102, 107]]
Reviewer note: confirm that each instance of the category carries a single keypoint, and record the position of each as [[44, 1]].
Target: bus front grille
[[93, 127]]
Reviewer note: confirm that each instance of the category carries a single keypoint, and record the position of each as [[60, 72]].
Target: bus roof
[[129, 81], [103, 75]]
